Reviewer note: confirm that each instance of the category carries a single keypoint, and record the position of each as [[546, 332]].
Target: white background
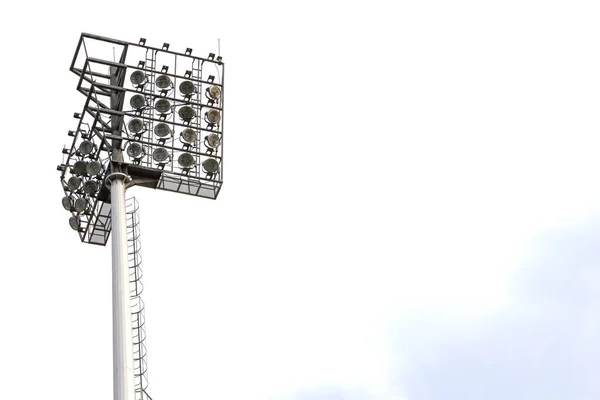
[[392, 172]]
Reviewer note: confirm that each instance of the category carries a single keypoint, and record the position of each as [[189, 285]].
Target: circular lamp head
[[137, 101], [187, 87], [189, 135], [81, 204], [80, 168], [67, 203], [213, 116], [186, 160], [93, 167], [213, 92], [163, 106], [213, 141], [73, 183], [74, 222], [90, 187], [160, 155], [86, 147], [138, 78], [136, 126], [211, 165], [135, 151], [163, 82], [162, 130], [186, 113]]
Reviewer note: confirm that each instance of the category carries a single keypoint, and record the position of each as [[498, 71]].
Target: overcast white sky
[[410, 211]]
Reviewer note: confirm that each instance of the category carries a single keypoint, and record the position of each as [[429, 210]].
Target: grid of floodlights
[[169, 115]]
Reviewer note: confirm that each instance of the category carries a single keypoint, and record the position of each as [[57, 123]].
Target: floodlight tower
[[127, 135]]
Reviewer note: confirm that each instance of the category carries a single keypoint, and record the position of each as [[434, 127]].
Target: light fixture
[[160, 155], [136, 126], [135, 151], [211, 165], [79, 168], [93, 167], [67, 203], [213, 92], [163, 106], [189, 135], [213, 141], [137, 101], [73, 183], [86, 147], [138, 78], [187, 113], [213, 116], [90, 187], [187, 88], [81, 204], [163, 82], [186, 160], [74, 222], [162, 130]]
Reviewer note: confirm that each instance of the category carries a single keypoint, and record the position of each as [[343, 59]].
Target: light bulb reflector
[[213, 141], [93, 167], [211, 165], [163, 82], [74, 222], [163, 106], [138, 78], [135, 151], [186, 113], [187, 87], [162, 130], [80, 168], [90, 187], [67, 203], [73, 183], [189, 135], [136, 125], [160, 155], [186, 160], [214, 92], [137, 101], [213, 116], [81, 204], [86, 147]]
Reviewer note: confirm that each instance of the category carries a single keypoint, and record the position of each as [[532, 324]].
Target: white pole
[[123, 383]]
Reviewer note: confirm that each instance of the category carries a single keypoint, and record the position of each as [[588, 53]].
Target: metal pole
[[123, 378]]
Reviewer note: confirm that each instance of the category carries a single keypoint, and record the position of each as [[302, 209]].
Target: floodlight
[[163, 106], [67, 203], [135, 151], [189, 135], [86, 147], [213, 116], [73, 183], [90, 187], [186, 160], [79, 168], [136, 126], [138, 78], [162, 130], [213, 92], [74, 222], [160, 155], [93, 167], [187, 113], [187, 88], [211, 165], [137, 101], [213, 141], [81, 204], [163, 82]]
